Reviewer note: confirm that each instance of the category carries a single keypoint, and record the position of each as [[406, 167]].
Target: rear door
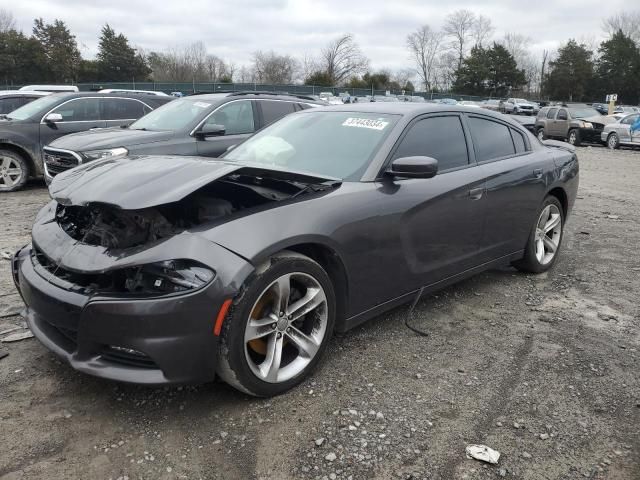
[[78, 115], [273, 110], [239, 119], [561, 123], [624, 129], [122, 111], [515, 183]]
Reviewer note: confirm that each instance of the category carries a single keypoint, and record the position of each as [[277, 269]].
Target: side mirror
[[53, 118], [210, 130], [414, 167]]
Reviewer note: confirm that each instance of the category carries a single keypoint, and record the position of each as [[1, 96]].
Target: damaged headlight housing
[[112, 153], [585, 124], [171, 276]]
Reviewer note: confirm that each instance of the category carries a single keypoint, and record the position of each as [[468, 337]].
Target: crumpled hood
[[108, 138], [140, 182], [601, 119]]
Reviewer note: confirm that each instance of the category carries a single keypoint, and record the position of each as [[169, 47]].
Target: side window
[[562, 115], [491, 139], [80, 110], [542, 113], [552, 113], [122, 109], [441, 138], [237, 117], [9, 104], [630, 120], [273, 110], [518, 141]]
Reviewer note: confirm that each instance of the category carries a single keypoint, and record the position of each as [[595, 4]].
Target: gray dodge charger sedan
[[163, 269]]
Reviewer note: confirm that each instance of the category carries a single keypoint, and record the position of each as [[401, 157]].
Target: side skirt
[[360, 318]]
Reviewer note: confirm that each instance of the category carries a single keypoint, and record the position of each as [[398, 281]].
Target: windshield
[[40, 105], [584, 112], [175, 115], [521, 100], [334, 144]]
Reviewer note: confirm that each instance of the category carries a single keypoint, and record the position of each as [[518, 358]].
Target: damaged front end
[[121, 280]]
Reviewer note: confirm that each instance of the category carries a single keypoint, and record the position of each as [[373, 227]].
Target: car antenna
[[410, 313]]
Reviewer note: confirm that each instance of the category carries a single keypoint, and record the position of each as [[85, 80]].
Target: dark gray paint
[[390, 236]]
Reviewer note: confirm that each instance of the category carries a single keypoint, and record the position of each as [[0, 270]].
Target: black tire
[[233, 366], [540, 134], [613, 141], [12, 183], [530, 263], [573, 138]]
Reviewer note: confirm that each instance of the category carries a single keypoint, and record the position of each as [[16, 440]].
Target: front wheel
[[574, 137], [541, 135], [613, 141], [278, 327], [545, 238], [14, 171]]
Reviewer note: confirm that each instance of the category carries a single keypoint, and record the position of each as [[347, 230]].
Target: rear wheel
[[613, 141], [574, 137], [278, 327], [14, 171], [545, 238]]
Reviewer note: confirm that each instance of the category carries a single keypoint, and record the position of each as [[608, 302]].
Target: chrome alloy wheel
[[286, 327], [10, 172], [548, 234]]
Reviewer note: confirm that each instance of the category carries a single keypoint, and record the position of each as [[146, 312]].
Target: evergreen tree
[[22, 59], [618, 68], [491, 71], [571, 76], [60, 49], [117, 60]]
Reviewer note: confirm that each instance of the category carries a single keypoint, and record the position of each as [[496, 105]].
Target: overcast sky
[[233, 29]]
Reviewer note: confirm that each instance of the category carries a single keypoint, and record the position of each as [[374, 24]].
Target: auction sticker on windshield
[[365, 123]]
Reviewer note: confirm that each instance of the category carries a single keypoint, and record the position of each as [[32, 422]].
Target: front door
[[239, 120], [78, 115]]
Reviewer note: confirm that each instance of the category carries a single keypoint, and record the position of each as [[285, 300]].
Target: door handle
[[476, 193], [537, 173]]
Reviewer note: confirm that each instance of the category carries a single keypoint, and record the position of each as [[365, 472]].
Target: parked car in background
[[185, 268], [50, 88], [493, 104], [573, 123], [23, 132], [446, 101], [517, 106], [602, 108], [11, 100], [619, 133], [470, 103], [384, 98], [204, 125], [528, 122], [626, 109], [135, 92]]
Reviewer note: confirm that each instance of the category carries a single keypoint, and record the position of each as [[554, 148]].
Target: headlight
[[170, 276], [587, 125], [112, 153]]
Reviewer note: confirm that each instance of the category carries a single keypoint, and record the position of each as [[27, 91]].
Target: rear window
[[491, 139], [518, 141]]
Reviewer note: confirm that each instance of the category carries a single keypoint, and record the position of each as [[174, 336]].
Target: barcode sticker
[[365, 123]]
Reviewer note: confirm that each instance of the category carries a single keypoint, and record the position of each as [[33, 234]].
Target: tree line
[[463, 56]]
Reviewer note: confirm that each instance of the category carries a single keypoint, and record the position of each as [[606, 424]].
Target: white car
[[516, 106], [141, 92], [50, 88], [619, 133]]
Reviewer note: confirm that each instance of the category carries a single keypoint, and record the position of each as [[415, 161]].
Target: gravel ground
[[541, 368]]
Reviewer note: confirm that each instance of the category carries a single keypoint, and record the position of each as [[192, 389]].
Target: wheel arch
[[12, 147], [562, 197], [332, 263]]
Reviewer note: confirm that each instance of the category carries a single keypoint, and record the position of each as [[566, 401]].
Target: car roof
[[254, 95], [406, 108], [24, 93]]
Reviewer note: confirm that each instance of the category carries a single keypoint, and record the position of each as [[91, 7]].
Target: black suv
[[23, 132], [205, 125]]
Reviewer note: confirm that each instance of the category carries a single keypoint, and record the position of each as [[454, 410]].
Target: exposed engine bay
[[114, 228]]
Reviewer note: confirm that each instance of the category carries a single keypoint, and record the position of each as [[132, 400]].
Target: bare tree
[[270, 67], [342, 59], [517, 45], [628, 22], [482, 30], [446, 70], [215, 67], [190, 63], [403, 76], [545, 56], [459, 26], [424, 45], [7, 22]]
